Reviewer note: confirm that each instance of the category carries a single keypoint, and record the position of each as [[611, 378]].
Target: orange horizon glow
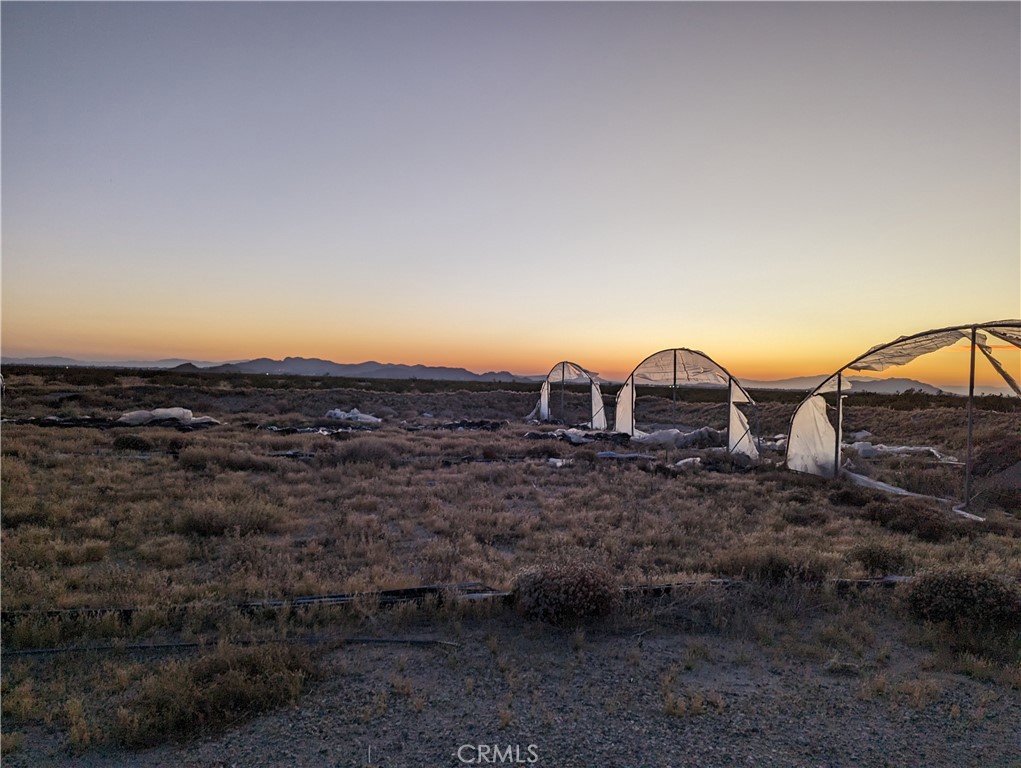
[[948, 367]]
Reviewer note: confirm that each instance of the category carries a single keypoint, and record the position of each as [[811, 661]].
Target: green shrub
[[565, 592], [966, 598], [185, 699]]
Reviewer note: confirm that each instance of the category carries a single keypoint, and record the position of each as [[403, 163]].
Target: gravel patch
[[570, 699]]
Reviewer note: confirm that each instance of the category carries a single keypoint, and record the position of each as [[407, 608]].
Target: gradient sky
[[502, 186]]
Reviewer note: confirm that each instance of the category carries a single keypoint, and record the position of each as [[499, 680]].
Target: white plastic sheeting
[[739, 434], [682, 367], [813, 440], [567, 372], [353, 415], [868, 450], [1006, 333], [544, 401], [624, 419], [905, 349], [180, 415]]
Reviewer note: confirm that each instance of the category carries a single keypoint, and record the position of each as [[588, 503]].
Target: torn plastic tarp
[[878, 485], [704, 437], [579, 436], [867, 450], [178, 415], [812, 445], [682, 367], [353, 415], [566, 372]]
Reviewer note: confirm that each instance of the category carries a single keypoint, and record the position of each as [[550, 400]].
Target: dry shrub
[[910, 515], [216, 518], [547, 449], [132, 443], [367, 450], [565, 592], [185, 699], [967, 599], [996, 456], [805, 516], [851, 496], [199, 458], [881, 559], [773, 566]]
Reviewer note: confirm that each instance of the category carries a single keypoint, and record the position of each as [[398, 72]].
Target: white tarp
[[566, 372], [739, 434], [625, 415], [1006, 333], [868, 450], [675, 438], [687, 368], [812, 443], [811, 446], [598, 409], [905, 349], [679, 367], [180, 415], [353, 415], [544, 401]]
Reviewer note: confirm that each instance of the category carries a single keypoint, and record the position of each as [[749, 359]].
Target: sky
[[500, 186]]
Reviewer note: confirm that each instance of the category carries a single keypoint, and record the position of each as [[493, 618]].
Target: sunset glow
[[503, 186]]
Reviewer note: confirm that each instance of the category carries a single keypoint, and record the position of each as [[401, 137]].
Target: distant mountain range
[[851, 383], [311, 366], [291, 366], [60, 362]]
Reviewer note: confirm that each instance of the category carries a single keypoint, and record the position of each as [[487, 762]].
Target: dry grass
[[205, 519]]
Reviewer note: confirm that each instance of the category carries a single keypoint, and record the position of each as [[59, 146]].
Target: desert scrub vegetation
[[184, 699], [183, 526], [967, 599], [566, 592]]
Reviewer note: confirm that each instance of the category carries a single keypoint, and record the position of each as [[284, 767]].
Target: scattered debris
[[295, 454], [693, 463], [353, 415], [326, 431], [581, 437], [705, 437], [165, 417], [867, 450], [624, 456]]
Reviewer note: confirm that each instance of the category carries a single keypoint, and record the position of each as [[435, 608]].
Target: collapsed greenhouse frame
[[565, 372], [683, 367], [814, 443]]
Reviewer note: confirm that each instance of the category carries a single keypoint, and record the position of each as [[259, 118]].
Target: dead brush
[[920, 517], [773, 565], [187, 698], [566, 592], [966, 599], [879, 559]]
